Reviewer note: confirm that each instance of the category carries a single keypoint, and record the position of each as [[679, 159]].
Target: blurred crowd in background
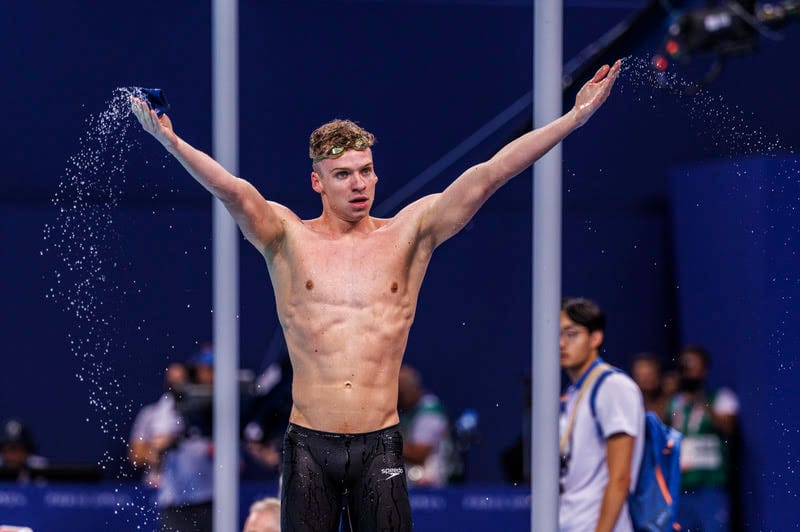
[[171, 444]]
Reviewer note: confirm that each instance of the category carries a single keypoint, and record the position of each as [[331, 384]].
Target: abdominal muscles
[[346, 357]]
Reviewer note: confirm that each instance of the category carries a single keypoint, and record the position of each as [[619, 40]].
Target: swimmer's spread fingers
[[146, 116], [138, 108], [613, 73], [158, 127], [600, 74], [607, 73], [608, 82], [595, 92], [616, 67], [151, 118]]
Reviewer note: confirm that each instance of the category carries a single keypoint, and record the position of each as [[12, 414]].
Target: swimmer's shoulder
[[414, 210], [285, 213]]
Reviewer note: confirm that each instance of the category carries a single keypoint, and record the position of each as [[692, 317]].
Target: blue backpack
[[653, 502]]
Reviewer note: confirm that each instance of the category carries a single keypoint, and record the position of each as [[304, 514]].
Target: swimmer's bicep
[[451, 210]]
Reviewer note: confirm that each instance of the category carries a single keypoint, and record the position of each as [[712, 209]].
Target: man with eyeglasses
[[602, 428], [346, 287]]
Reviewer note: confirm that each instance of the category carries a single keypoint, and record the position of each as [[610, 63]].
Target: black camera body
[[720, 30], [194, 403]]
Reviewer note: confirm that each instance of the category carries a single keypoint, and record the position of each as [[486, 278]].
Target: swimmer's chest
[[367, 267]]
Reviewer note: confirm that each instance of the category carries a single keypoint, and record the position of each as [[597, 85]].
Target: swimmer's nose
[[359, 184]]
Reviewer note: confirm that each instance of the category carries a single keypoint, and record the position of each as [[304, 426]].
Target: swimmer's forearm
[[256, 218], [205, 170], [522, 152], [451, 210]]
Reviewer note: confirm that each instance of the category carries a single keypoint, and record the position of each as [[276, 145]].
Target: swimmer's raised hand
[[159, 127], [595, 92]]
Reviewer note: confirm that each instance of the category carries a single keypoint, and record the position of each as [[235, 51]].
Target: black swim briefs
[[325, 473]]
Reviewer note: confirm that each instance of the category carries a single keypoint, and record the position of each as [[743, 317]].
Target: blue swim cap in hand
[[155, 98]]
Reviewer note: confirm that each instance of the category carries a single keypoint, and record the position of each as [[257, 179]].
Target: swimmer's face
[[346, 184], [578, 346]]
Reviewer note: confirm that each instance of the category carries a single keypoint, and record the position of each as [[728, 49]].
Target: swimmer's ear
[[316, 182]]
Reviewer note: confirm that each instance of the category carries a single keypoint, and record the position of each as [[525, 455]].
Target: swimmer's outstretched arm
[[445, 214], [261, 221]]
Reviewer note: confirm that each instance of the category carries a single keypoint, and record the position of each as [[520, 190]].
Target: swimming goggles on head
[[359, 145]]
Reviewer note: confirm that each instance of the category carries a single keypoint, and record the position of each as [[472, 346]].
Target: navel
[[348, 385], [394, 287], [309, 284]]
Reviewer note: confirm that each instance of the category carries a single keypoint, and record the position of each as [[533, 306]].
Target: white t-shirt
[[187, 469], [620, 409]]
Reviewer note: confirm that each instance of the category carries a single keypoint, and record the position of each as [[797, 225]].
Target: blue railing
[[128, 507]]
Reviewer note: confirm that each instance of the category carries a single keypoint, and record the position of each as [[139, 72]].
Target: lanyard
[[691, 423], [578, 384], [589, 377]]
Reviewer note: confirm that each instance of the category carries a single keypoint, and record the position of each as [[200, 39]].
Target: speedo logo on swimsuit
[[392, 472]]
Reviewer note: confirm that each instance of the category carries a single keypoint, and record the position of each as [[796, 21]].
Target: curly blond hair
[[337, 133]]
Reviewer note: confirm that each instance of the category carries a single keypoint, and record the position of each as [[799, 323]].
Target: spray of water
[[80, 245], [710, 115], [731, 133], [726, 131]]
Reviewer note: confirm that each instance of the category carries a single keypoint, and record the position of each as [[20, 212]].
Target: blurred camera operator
[[17, 449], [181, 438], [141, 451]]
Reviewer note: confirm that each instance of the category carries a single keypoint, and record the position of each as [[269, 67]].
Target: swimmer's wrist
[[573, 118], [172, 145]]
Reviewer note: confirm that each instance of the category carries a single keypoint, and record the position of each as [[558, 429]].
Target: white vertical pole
[[225, 270], [547, 106]]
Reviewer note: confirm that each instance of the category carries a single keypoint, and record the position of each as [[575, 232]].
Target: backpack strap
[[607, 370], [587, 384]]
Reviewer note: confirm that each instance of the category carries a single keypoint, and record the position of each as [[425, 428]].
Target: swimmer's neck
[[333, 225]]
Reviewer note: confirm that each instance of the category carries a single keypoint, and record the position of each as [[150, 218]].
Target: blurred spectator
[[670, 382], [141, 452], [427, 445], [514, 458], [201, 366], [17, 448], [182, 438], [707, 418], [266, 419], [646, 373], [265, 516], [600, 447]]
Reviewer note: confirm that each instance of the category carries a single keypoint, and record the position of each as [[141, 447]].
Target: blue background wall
[[422, 76], [734, 229]]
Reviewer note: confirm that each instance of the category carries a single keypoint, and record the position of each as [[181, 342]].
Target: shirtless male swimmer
[[346, 287]]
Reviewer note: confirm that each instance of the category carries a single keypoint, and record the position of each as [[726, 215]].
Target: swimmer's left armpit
[[155, 98]]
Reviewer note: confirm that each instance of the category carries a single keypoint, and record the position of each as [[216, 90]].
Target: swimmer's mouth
[[360, 199]]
